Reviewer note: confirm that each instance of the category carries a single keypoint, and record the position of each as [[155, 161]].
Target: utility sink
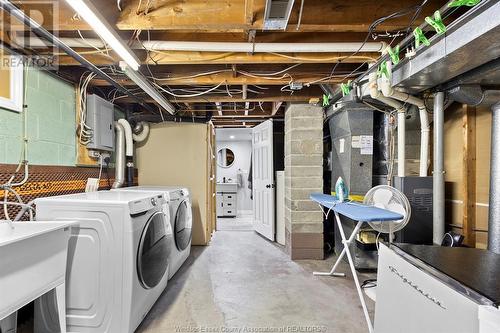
[[32, 262]]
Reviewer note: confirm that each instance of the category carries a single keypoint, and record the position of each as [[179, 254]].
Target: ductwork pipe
[[388, 91], [398, 106], [129, 150], [494, 212], [142, 130], [340, 47], [119, 156]]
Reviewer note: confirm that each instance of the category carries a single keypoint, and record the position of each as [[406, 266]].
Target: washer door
[[154, 249], [183, 225]]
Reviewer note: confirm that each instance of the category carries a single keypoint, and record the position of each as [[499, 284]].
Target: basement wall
[[51, 123], [454, 153]]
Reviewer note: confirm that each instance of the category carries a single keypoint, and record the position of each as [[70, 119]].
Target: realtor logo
[[20, 44]]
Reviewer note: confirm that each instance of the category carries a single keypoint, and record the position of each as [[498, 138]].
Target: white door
[[263, 179]]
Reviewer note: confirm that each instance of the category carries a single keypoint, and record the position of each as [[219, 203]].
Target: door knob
[[268, 186]]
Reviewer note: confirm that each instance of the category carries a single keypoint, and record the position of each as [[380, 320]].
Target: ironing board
[[358, 212]]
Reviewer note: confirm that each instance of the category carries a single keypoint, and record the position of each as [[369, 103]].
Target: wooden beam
[[469, 174], [249, 14], [245, 117], [276, 107], [236, 15], [296, 97], [188, 58], [227, 78]]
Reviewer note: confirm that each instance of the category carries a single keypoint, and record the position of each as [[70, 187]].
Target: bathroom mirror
[[225, 158]]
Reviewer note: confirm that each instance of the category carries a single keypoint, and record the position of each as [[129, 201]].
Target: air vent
[[277, 14]]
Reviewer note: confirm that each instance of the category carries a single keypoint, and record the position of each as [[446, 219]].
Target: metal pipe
[[129, 150], [494, 210], [143, 133], [438, 174], [119, 156], [38, 30]]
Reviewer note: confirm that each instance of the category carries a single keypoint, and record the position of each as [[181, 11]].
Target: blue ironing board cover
[[354, 210]]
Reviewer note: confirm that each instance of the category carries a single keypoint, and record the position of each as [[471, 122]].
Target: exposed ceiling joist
[[189, 58]]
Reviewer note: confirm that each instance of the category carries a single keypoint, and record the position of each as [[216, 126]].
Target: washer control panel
[[143, 205]]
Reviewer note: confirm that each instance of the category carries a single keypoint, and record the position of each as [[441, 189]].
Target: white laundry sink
[[32, 261]]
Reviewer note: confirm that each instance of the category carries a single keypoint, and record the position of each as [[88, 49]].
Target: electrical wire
[[372, 27], [188, 95], [85, 132]]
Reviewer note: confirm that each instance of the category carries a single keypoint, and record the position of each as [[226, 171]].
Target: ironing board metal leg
[[353, 270], [342, 254]]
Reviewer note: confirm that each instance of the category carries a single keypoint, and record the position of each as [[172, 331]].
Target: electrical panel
[[100, 118]]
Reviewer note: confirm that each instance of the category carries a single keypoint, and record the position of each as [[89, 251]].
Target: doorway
[[234, 200]]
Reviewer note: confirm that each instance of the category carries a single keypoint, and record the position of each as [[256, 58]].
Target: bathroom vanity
[[226, 199]]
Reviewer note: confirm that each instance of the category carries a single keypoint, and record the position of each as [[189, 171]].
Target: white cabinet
[[226, 200]]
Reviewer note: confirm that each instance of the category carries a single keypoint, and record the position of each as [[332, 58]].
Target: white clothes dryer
[[118, 261]]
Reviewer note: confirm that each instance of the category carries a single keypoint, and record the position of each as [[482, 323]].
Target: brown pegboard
[[46, 181]]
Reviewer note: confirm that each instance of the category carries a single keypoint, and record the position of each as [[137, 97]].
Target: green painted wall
[[51, 123]]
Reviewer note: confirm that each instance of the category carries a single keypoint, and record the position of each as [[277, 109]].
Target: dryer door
[[183, 225], [154, 249]]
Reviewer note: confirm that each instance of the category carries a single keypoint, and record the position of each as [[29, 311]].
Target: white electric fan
[[389, 198]]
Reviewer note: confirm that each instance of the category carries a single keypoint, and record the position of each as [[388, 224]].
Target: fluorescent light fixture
[[144, 84], [98, 23]]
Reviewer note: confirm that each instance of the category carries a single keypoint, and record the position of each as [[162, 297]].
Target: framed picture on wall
[[11, 82]]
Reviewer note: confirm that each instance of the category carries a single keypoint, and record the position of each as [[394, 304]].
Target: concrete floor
[[239, 223], [241, 280]]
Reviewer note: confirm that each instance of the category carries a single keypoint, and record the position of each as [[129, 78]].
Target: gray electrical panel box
[[100, 117]]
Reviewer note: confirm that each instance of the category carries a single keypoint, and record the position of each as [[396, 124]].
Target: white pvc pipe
[[438, 192], [341, 47], [129, 143], [264, 47], [424, 141], [143, 134], [401, 144], [388, 91]]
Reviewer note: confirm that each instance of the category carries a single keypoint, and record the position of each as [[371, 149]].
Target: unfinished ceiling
[[230, 84]]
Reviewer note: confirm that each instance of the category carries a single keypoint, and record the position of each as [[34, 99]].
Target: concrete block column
[[303, 175]]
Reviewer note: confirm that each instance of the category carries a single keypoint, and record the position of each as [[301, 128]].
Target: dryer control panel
[[143, 205]]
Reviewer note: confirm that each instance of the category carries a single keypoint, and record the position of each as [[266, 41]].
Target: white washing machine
[[181, 219], [118, 260]]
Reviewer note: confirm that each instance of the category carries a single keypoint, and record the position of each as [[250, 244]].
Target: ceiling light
[[144, 84], [231, 137], [92, 16]]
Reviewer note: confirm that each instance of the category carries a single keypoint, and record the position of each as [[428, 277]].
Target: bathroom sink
[[32, 261], [227, 187]]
